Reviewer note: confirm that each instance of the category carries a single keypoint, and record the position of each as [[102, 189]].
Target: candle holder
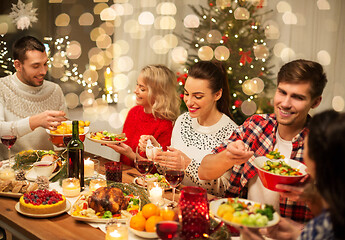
[[7, 173], [116, 230], [91, 168], [97, 183], [194, 213], [71, 187], [155, 191]]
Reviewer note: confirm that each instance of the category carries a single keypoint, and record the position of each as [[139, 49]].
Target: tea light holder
[[116, 230], [97, 183], [71, 187], [7, 173], [155, 190], [89, 168]]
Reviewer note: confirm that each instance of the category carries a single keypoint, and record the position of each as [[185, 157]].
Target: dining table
[[62, 227]]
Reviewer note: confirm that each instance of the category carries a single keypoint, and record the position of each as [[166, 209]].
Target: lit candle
[[89, 168], [156, 193], [117, 231], [71, 187], [108, 78], [97, 183], [7, 173]]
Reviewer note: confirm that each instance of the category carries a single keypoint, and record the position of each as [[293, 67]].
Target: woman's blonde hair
[[162, 91]]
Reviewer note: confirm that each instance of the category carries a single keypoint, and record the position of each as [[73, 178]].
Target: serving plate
[[214, 205], [10, 194], [103, 141], [68, 206], [144, 234], [32, 176], [139, 181]]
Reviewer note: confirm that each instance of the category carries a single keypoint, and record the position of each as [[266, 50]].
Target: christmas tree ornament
[[261, 51], [205, 53], [241, 13], [213, 36], [245, 57], [221, 53], [23, 15]]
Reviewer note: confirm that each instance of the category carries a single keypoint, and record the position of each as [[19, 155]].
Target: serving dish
[[214, 205], [68, 206], [88, 136], [270, 180], [144, 234]]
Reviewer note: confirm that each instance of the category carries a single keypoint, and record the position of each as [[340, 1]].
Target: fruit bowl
[[270, 180], [57, 139], [143, 234]]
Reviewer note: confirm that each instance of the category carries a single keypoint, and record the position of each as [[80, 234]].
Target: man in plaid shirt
[[300, 86]]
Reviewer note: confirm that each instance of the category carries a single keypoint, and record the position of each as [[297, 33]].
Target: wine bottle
[[75, 156]]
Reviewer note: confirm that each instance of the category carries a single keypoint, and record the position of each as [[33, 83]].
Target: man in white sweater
[[28, 103]]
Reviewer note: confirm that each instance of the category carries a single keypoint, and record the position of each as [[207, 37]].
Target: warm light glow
[[146, 18], [62, 20], [191, 21], [205, 53], [108, 14]]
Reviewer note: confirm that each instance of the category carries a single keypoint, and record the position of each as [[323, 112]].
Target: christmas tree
[[231, 32]]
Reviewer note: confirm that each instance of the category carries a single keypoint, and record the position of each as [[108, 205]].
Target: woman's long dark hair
[[326, 146], [215, 73]]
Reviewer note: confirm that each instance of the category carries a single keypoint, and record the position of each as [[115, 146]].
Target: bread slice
[[17, 186]]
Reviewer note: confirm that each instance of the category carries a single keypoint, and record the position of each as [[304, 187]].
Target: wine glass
[[8, 141], [167, 229], [142, 163], [174, 172]]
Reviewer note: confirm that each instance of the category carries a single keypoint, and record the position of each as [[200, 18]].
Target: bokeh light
[[221, 53], [120, 81], [72, 100], [287, 54], [213, 36], [241, 13], [165, 23], [248, 107], [166, 8], [324, 58], [191, 21], [62, 20], [86, 98], [3, 28], [125, 63], [283, 7], [249, 87], [338, 103], [108, 14], [96, 32], [289, 18], [205, 53], [323, 5], [261, 51], [99, 8], [103, 41], [73, 50], [90, 76], [86, 19], [146, 18], [179, 55]]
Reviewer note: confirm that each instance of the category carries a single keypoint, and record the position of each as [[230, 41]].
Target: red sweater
[[140, 123]]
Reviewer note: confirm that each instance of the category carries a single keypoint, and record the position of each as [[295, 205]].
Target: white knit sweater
[[196, 142], [18, 102]]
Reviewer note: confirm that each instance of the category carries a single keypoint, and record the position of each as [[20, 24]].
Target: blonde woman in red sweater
[[158, 106]]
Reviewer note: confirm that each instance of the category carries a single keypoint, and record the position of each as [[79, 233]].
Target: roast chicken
[[108, 199]]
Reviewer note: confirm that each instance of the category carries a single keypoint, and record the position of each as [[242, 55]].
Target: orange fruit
[[167, 214], [138, 222], [150, 225], [150, 210]]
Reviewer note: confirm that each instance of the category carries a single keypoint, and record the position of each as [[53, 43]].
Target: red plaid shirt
[[259, 133]]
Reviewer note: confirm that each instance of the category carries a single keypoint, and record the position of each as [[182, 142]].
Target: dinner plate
[[68, 206], [103, 141], [216, 203], [98, 220], [32, 176], [139, 181], [144, 234], [10, 194]]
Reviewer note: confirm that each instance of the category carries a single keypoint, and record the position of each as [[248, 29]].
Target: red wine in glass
[[174, 177], [167, 229], [8, 140], [144, 166]]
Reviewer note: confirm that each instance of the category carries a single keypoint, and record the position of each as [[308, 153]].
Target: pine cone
[[20, 175], [42, 182]]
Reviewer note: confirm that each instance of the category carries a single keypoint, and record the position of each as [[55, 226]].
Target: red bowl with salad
[[279, 171]]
